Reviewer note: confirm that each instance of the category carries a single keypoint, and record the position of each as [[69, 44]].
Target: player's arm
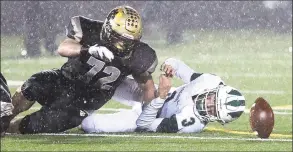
[[146, 81], [71, 46], [184, 121], [178, 68], [147, 120], [147, 85]]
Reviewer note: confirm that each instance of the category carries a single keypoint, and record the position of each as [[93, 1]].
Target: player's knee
[[88, 125], [26, 126], [30, 90], [38, 122], [4, 123]]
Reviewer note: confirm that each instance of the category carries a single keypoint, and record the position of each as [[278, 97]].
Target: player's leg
[[123, 121], [39, 87], [58, 116], [128, 92], [20, 102], [48, 120]]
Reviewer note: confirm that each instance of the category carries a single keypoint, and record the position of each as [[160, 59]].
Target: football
[[261, 118]]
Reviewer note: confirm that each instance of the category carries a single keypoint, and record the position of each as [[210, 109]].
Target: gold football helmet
[[122, 27]]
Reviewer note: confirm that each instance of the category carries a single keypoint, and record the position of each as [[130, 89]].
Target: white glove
[[6, 109], [101, 52]]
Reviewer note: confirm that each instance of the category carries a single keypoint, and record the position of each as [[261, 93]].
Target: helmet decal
[[236, 103], [235, 92], [235, 114]]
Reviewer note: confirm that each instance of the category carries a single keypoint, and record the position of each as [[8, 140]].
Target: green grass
[[73, 143], [248, 60]]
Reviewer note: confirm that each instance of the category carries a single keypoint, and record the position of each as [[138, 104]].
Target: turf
[[256, 62]]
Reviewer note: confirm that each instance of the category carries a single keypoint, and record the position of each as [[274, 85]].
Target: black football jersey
[[106, 76], [5, 95]]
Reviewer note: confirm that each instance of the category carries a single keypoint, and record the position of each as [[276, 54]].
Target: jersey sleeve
[[144, 61], [74, 30], [147, 120], [84, 30], [205, 81], [182, 71], [186, 74]]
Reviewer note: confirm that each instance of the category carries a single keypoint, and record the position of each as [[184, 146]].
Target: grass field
[[258, 63]]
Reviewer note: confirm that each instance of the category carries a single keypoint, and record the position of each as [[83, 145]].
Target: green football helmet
[[227, 104]]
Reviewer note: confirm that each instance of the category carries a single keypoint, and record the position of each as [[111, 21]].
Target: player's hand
[[164, 86], [101, 52], [168, 70], [6, 109]]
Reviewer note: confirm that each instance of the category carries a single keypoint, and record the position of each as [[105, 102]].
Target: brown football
[[261, 118]]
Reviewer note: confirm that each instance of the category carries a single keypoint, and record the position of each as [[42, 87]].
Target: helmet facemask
[[205, 105]]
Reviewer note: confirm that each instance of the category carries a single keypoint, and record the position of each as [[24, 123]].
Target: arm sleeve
[[147, 119], [182, 71], [74, 30], [144, 62]]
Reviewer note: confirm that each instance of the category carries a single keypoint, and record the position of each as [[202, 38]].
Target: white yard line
[[279, 92], [275, 112], [168, 137], [253, 75], [102, 109], [121, 109]]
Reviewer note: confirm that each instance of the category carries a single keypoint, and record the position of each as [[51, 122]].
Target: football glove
[[6, 109], [101, 52]]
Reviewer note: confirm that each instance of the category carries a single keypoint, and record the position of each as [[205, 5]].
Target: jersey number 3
[[97, 67], [189, 122]]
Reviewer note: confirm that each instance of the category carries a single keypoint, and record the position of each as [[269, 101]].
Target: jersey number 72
[[98, 65]]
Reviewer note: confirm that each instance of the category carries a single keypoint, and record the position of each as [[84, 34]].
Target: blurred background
[[40, 25]]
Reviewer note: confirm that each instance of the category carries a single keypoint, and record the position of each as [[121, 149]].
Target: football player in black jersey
[[6, 105], [100, 56]]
